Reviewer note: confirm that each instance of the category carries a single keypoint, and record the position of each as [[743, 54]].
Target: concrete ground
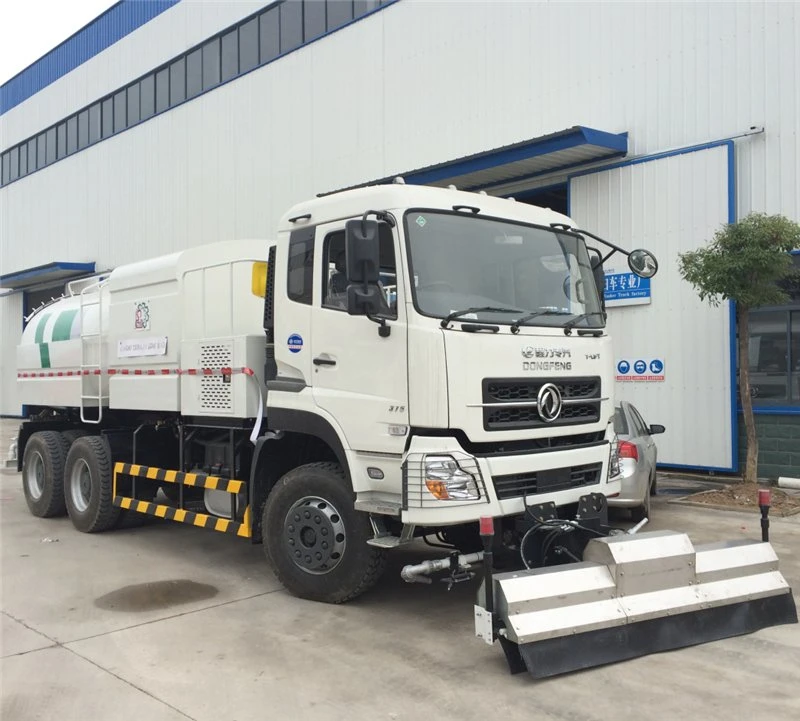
[[167, 622]]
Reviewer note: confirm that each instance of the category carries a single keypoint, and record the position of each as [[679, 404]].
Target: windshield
[[465, 261]]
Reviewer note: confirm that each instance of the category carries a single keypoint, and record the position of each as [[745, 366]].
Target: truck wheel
[[43, 474], [88, 485], [314, 538]]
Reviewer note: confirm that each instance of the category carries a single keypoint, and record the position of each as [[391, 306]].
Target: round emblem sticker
[[295, 343]]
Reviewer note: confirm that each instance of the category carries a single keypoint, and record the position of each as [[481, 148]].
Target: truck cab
[[477, 379]]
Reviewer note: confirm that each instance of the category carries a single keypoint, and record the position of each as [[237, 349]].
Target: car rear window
[[620, 424]]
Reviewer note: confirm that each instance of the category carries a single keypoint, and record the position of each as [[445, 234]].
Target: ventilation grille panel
[[215, 391]]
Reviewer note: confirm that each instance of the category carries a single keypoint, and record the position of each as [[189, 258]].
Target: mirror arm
[[383, 215], [606, 257], [578, 231], [384, 330]]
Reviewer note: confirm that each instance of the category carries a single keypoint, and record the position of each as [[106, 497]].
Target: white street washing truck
[[401, 362]]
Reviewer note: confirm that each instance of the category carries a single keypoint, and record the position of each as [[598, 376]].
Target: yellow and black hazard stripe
[[196, 480], [181, 515]]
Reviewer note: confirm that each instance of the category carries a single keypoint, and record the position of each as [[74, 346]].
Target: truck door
[[359, 377]]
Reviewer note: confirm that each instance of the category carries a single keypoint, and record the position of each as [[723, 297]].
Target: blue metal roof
[[571, 148], [105, 30], [55, 271], [568, 148]]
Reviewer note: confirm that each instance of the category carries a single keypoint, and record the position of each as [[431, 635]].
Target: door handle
[[319, 361]]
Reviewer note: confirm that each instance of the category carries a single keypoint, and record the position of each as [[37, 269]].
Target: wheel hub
[[81, 485], [34, 476], [315, 535]]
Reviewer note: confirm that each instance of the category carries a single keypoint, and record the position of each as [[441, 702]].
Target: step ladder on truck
[[288, 393]]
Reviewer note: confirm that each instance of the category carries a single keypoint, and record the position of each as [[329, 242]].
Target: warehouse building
[[167, 124]]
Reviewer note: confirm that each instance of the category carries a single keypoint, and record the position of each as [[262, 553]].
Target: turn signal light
[[438, 489], [258, 280]]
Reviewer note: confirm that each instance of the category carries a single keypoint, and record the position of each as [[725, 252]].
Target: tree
[[747, 262]]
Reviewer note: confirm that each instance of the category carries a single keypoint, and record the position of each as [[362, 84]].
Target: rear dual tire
[[88, 485], [43, 473]]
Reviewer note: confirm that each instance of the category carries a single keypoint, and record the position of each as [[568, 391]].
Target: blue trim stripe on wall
[[105, 30]]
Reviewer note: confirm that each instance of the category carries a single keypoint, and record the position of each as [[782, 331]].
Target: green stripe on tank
[[63, 325], [40, 327], [44, 351]]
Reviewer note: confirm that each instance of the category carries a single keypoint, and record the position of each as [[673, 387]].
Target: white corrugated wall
[[670, 205], [10, 331], [414, 84]]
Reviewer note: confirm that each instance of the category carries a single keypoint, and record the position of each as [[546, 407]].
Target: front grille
[[515, 485], [527, 390], [513, 390]]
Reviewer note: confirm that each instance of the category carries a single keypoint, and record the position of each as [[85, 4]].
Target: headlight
[[447, 481]]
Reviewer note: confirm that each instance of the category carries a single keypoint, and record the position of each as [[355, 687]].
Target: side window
[[641, 425], [300, 280], [620, 424], [334, 278]]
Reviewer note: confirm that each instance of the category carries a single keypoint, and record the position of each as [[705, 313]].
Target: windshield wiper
[[570, 324], [485, 309], [531, 316]]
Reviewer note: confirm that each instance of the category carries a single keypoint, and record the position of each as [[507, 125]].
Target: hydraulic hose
[[419, 572]]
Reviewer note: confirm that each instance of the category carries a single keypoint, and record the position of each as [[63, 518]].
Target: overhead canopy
[[44, 274], [528, 159]]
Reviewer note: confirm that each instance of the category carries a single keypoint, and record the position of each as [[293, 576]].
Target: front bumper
[[421, 508]]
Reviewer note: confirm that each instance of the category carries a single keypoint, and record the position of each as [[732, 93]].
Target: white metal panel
[[669, 205], [175, 30], [228, 162], [10, 333]]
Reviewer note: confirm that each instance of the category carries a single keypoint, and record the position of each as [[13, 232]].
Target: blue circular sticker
[[623, 367], [295, 343], [640, 366], [656, 366]]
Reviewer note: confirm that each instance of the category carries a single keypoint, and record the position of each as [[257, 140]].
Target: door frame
[[732, 217]]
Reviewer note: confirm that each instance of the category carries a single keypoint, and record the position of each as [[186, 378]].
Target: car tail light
[[626, 449]]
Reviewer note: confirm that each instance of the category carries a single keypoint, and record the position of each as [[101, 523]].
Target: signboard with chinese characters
[[626, 289]]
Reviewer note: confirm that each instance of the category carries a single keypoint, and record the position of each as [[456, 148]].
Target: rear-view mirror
[[655, 429], [596, 261], [642, 263], [364, 301], [362, 251]]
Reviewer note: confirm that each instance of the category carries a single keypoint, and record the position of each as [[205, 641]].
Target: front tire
[[43, 474], [314, 538], [88, 487]]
